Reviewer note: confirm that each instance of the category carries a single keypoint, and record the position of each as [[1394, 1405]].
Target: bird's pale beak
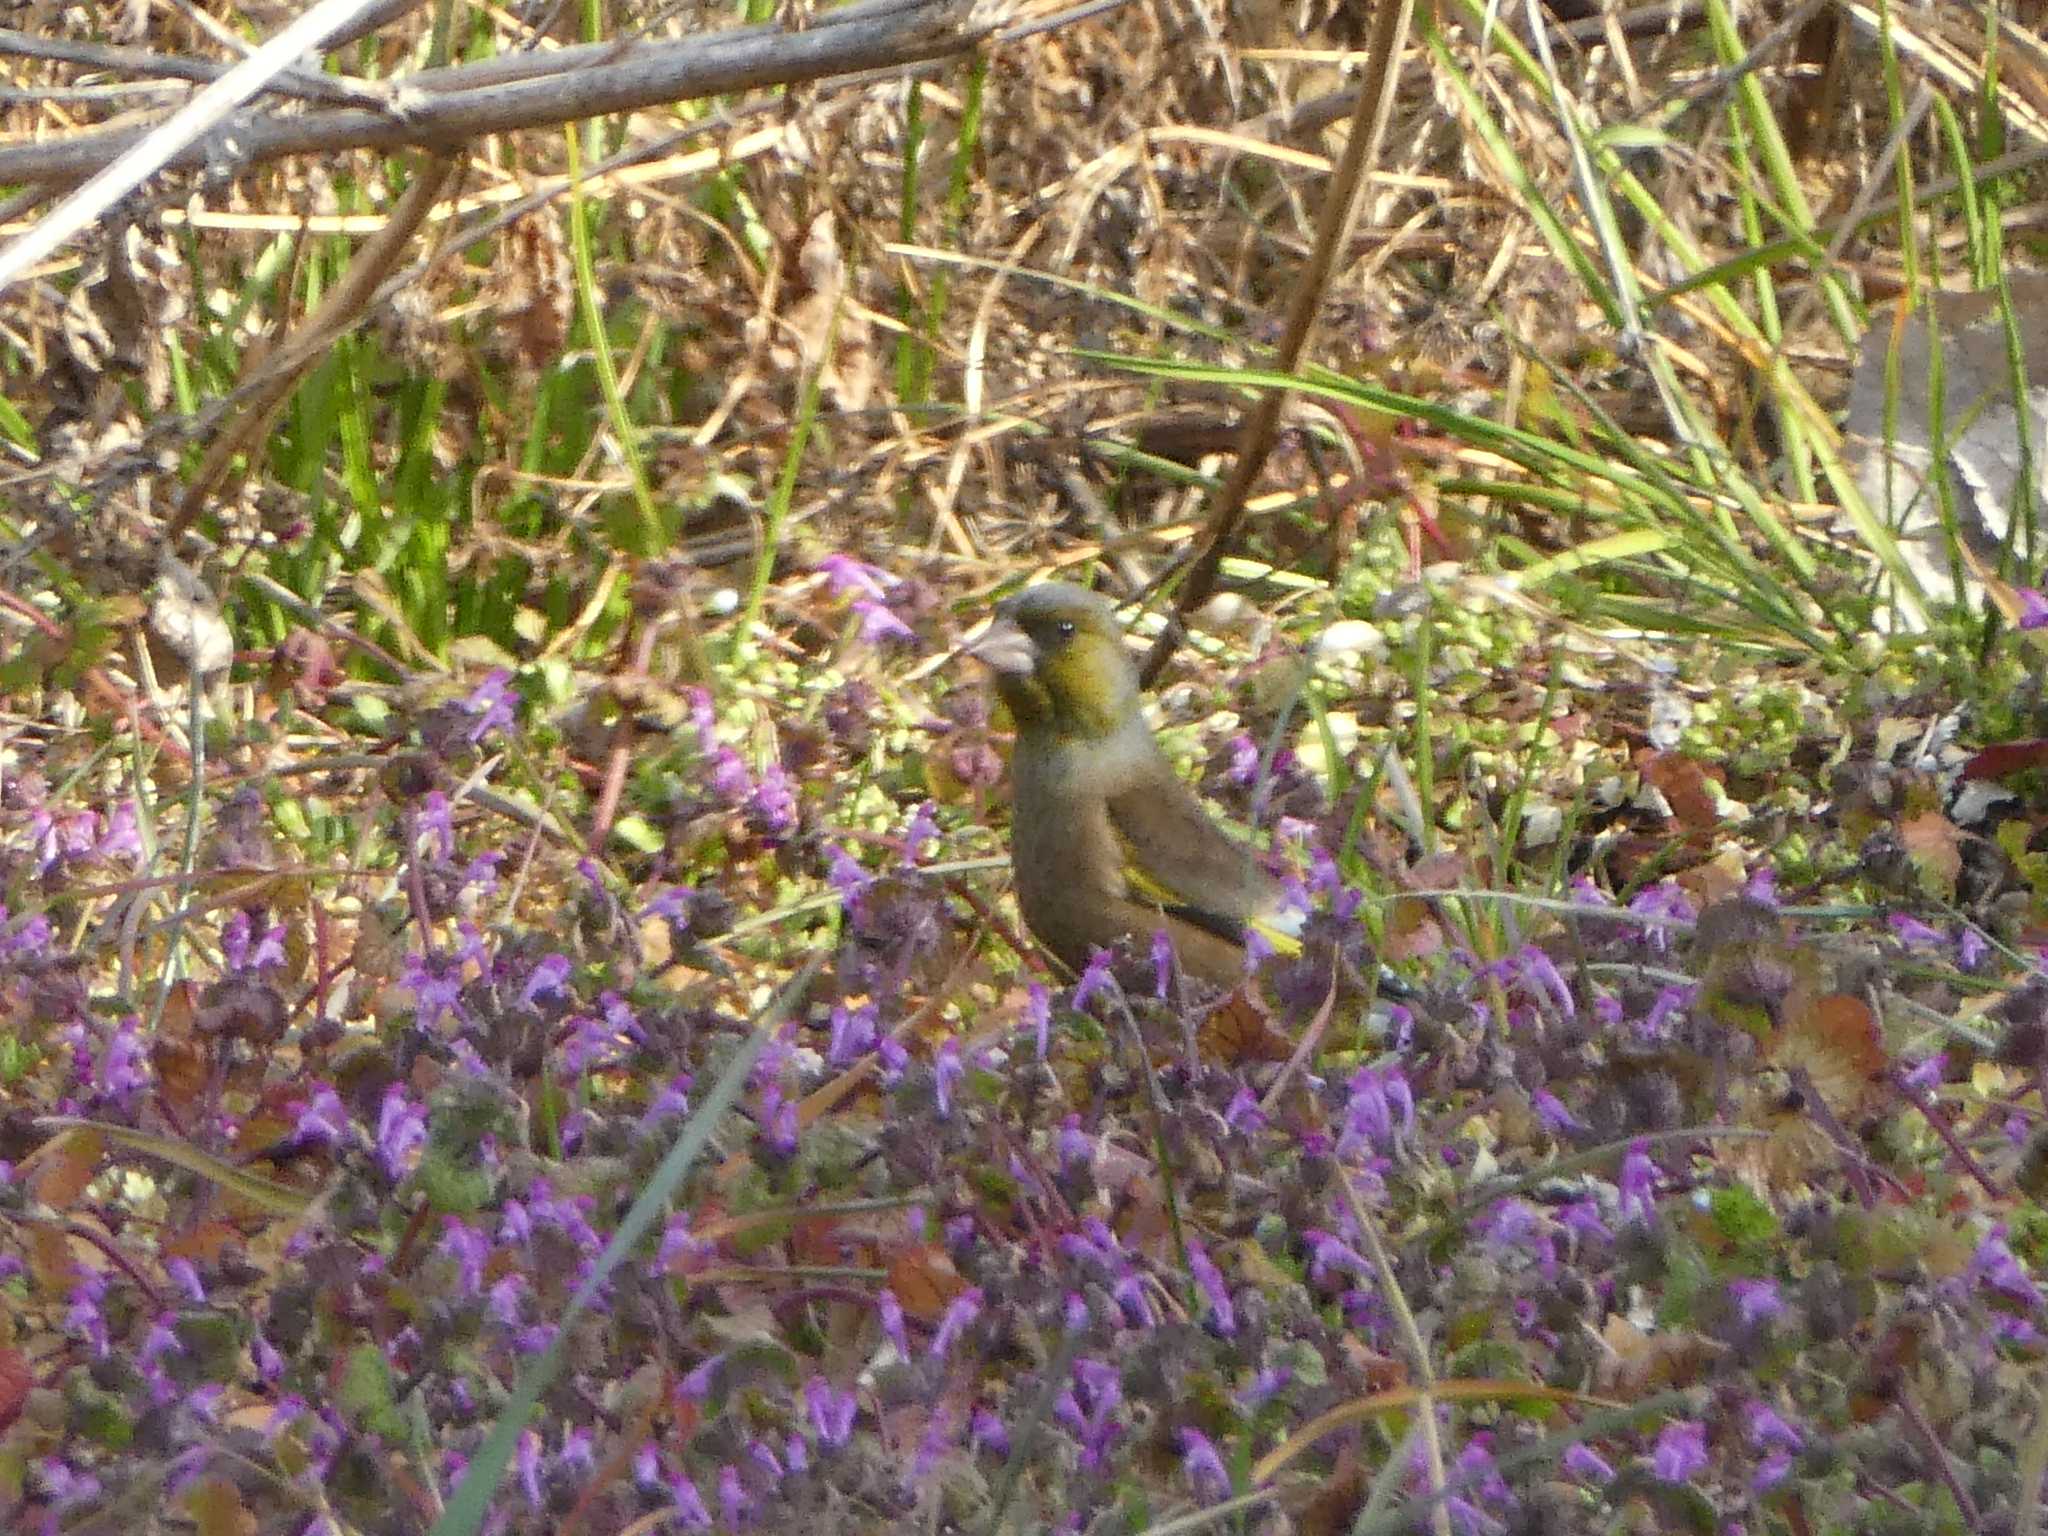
[[1005, 648]]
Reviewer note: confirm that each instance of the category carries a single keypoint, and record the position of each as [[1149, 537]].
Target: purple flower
[[845, 875], [689, 1504], [1994, 1267], [1767, 1431], [546, 979], [733, 1502], [1089, 1408], [123, 834], [1162, 963], [878, 623], [677, 1242], [2033, 608], [1074, 1315], [31, 938], [1203, 1467], [505, 1299], [124, 1072], [958, 1317], [1258, 949], [1756, 1301], [729, 779], [491, 705], [672, 904], [1925, 1076], [853, 1033], [1076, 1146], [1381, 1109], [434, 995], [890, 1310], [1638, 1184], [1094, 979], [772, 803], [780, 1122], [1681, 1451], [1913, 933], [577, 1450], [1129, 1291], [1971, 947], [1516, 1224], [470, 1250], [160, 1340], [321, 1120], [1271, 1380], [1038, 1016], [845, 575], [1585, 1463], [64, 1487], [1661, 908], [947, 1070], [986, 1433], [923, 828], [763, 1456], [269, 1367], [529, 1467], [697, 1381], [1243, 1114], [1553, 1115], [401, 1133], [1540, 973], [1654, 1024], [1475, 1470], [246, 952], [182, 1274], [1330, 1256], [831, 1411], [1209, 1279], [1777, 1439]]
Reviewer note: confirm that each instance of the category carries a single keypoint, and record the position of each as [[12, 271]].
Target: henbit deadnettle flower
[[890, 1311], [1680, 1454], [1756, 1301], [1203, 1468], [1638, 1184], [947, 1071], [1209, 1279]]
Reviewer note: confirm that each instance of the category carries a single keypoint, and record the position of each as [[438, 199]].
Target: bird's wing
[[1177, 857]]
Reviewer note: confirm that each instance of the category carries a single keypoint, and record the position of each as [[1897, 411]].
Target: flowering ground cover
[[513, 1015], [1668, 1202]]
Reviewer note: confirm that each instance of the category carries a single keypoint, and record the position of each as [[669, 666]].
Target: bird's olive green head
[[1060, 664]]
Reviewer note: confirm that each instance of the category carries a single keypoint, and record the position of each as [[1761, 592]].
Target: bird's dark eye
[[1064, 629]]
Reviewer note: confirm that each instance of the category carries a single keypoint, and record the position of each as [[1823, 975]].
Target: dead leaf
[[15, 1380], [1685, 785], [1933, 843], [924, 1281], [66, 1165], [216, 1508]]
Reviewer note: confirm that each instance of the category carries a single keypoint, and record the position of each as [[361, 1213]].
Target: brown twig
[[1262, 426], [448, 107], [276, 373]]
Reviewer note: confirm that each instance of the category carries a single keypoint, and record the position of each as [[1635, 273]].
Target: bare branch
[[148, 150], [442, 108]]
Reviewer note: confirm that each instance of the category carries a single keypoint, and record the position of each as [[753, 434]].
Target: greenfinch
[[1106, 843]]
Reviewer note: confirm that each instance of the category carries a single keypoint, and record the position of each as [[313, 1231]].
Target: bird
[[1107, 844]]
